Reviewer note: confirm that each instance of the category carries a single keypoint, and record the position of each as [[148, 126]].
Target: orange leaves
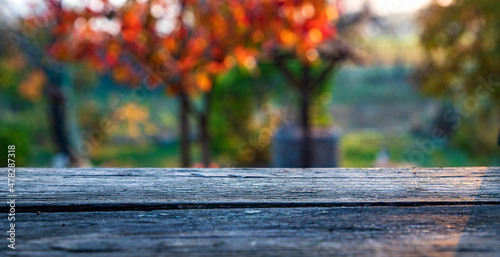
[[315, 36], [112, 53], [169, 43], [200, 39], [246, 57], [124, 72], [332, 13], [120, 73], [240, 16], [257, 36], [229, 61], [220, 27], [197, 45], [131, 26], [287, 37], [31, 87], [186, 64], [225, 33], [61, 50], [203, 82], [217, 67], [132, 16], [297, 26]]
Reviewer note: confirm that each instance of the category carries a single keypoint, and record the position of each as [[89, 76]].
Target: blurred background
[[242, 83]]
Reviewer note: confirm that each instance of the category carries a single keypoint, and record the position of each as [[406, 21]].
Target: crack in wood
[[231, 205]]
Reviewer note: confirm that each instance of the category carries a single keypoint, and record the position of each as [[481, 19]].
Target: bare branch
[[348, 21], [288, 74]]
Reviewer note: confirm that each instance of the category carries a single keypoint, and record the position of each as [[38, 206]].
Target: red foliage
[[189, 40]]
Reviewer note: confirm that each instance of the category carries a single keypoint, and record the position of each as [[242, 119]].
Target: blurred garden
[[245, 83]]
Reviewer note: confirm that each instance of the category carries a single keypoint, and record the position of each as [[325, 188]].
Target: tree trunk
[[57, 113], [305, 93], [305, 85], [78, 157], [305, 127], [204, 140], [498, 142], [184, 130], [204, 130], [66, 132]]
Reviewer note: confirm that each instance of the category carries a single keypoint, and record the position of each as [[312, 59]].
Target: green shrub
[[18, 135]]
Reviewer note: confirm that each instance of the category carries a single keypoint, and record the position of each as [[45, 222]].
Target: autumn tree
[[181, 44], [186, 44], [302, 39], [462, 50]]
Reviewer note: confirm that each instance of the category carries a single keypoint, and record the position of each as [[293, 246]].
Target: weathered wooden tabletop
[[263, 212]]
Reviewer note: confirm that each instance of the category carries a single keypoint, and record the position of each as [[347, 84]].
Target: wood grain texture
[[353, 231], [171, 187], [263, 212]]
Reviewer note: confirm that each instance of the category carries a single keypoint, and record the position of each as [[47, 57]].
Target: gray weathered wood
[[61, 187], [370, 231], [228, 212]]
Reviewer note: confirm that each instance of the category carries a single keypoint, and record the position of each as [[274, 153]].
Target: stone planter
[[287, 148]]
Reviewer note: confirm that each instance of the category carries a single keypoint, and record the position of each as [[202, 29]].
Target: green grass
[[143, 155], [359, 149]]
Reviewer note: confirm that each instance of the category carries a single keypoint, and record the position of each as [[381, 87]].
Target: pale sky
[[385, 7], [381, 7]]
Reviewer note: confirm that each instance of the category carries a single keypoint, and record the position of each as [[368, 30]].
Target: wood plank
[[353, 231], [105, 189], [345, 212]]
